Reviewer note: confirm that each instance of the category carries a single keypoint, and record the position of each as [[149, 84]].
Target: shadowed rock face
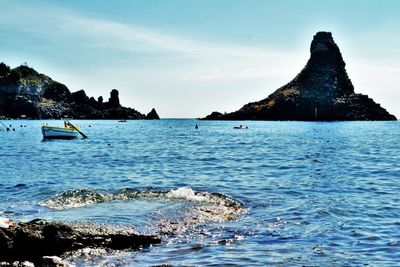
[[152, 115], [33, 240], [321, 91], [114, 98]]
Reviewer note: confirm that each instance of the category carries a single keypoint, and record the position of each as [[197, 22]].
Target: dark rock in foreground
[[25, 92], [321, 91], [33, 240]]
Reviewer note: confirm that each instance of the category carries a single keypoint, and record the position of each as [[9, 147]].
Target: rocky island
[[26, 93], [322, 91]]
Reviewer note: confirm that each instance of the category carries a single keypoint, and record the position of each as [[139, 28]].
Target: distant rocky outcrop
[[113, 101], [321, 91], [25, 92], [33, 240], [152, 115]]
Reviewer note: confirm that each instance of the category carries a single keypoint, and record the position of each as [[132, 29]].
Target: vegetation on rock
[[321, 91], [23, 91]]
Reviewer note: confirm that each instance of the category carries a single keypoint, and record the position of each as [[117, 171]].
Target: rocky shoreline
[[322, 91], [38, 241], [25, 93]]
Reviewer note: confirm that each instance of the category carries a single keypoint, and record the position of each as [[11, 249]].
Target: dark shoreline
[[31, 241]]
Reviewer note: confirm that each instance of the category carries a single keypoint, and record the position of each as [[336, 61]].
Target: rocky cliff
[[25, 92], [321, 91]]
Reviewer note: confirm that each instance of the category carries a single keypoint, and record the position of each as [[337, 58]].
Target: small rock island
[[322, 91], [26, 93]]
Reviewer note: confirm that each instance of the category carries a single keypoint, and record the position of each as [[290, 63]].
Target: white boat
[[240, 127], [51, 132]]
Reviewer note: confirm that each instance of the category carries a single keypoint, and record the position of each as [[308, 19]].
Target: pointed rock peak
[[325, 71], [321, 91], [114, 98], [80, 97], [152, 115], [325, 52], [322, 41], [25, 71]]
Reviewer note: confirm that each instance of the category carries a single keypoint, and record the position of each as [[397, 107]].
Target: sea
[[274, 194]]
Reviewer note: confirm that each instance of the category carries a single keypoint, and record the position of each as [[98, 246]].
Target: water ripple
[[312, 194]]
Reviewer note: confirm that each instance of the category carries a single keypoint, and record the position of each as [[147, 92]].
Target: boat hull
[[58, 133]]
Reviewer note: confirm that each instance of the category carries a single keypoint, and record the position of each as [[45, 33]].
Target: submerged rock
[[33, 240], [19, 264], [54, 261], [321, 91]]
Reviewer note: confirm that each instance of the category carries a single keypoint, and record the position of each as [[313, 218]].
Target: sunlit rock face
[[27, 93]]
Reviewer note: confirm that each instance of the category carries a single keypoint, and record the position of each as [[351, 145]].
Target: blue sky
[[188, 58]]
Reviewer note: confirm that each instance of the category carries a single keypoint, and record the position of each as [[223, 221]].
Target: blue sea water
[[276, 194]]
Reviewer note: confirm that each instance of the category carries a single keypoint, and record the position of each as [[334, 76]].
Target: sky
[[187, 58]]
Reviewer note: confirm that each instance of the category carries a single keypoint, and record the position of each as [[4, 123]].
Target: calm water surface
[[293, 193]]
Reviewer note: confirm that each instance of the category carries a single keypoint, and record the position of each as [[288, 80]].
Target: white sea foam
[[185, 193], [75, 199], [4, 222], [204, 206], [82, 197]]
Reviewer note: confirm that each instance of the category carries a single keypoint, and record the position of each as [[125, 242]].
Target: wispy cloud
[[207, 60], [148, 61], [201, 73]]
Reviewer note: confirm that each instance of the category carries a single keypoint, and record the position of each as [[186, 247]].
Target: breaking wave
[[76, 198], [82, 197], [199, 208]]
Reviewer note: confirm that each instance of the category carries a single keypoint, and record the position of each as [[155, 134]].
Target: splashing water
[[76, 198], [184, 193], [83, 197], [323, 194], [199, 207]]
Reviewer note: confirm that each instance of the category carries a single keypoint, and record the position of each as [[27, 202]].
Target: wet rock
[[17, 264], [54, 261], [33, 240], [321, 91]]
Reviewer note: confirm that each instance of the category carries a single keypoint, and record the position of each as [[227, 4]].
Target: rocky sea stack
[[26, 93], [322, 91]]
